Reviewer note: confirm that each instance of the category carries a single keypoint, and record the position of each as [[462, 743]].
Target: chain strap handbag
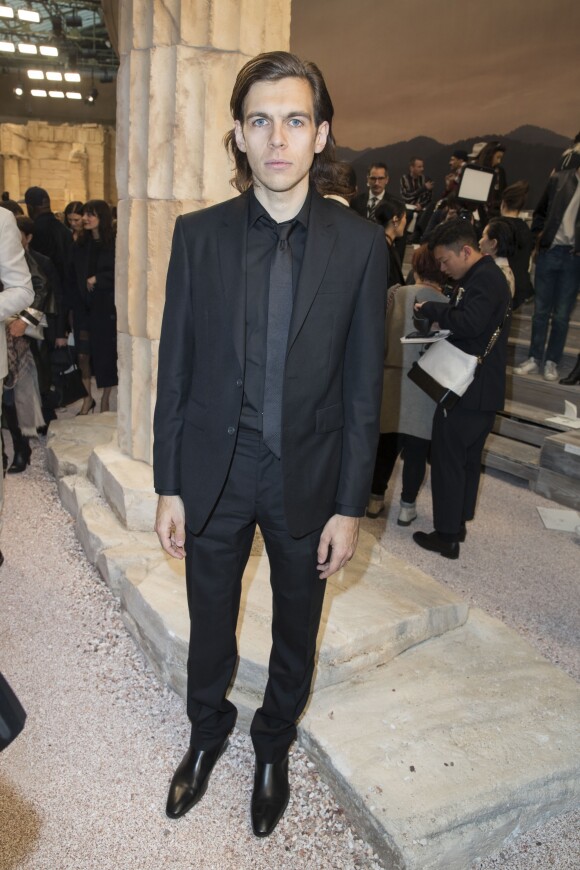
[[445, 372], [12, 714]]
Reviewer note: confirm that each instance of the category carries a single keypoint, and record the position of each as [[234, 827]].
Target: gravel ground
[[85, 785]]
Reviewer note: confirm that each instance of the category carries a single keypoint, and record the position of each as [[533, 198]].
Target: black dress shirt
[[261, 243]]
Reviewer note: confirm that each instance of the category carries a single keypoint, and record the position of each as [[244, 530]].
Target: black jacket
[[477, 308], [52, 239], [333, 371], [551, 207]]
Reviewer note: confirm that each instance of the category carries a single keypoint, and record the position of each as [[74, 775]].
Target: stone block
[[135, 288], [452, 748], [195, 22], [164, 84], [127, 486], [161, 217], [71, 441], [166, 22], [74, 491]]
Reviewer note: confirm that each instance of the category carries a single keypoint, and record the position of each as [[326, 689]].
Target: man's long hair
[[271, 67]]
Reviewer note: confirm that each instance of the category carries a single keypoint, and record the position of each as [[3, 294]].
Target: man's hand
[[61, 342], [91, 283], [17, 328], [170, 525], [337, 544]]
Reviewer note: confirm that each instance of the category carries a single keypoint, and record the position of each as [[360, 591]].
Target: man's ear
[[239, 136], [321, 137]]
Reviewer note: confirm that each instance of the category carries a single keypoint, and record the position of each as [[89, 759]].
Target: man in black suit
[[366, 203], [480, 304], [270, 369]]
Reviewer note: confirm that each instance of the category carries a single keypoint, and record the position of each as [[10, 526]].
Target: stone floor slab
[[126, 484], [451, 748]]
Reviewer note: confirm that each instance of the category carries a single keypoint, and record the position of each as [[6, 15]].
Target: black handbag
[[67, 382], [12, 714]]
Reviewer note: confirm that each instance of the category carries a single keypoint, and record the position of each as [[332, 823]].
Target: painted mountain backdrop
[[531, 154]]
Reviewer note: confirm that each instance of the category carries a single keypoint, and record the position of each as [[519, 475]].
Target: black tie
[[279, 314], [372, 207]]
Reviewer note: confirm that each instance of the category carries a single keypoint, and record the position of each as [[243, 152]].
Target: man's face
[[454, 163], [417, 168], [279, 135], [452, 263], [497, 158], [377, 180]]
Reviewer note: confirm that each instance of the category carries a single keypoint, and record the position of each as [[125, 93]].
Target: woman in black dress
[[513, 201], [93, 302]]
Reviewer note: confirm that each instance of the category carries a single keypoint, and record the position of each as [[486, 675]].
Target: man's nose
[[277, 137]]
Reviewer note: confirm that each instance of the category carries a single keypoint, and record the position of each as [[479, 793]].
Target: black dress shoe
[[449, 549], [574, 376], [270, 796], [1, 558], [189, 783]]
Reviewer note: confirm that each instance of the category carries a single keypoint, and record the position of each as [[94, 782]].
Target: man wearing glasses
[[366, 203]]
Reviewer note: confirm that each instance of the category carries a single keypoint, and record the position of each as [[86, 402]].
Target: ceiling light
[[29, 15], [7, 46], [18, 92], [26, 48], [93, 94], [74, 95], [36, 93], [35, 74], [54, 76], [72, 77], [6, 12], [59, 95], [49, 51]]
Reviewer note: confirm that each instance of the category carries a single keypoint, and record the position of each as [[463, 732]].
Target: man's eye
[[259, 122], [296, 122]]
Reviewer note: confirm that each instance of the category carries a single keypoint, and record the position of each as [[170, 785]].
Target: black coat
[[478, 307], [333, 373], [95, 311]]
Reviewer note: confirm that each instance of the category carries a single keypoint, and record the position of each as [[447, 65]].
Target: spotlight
[[74, 20], [18, 92], [91, 99]]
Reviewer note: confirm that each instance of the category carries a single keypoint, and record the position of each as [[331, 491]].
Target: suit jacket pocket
[[330, 418]]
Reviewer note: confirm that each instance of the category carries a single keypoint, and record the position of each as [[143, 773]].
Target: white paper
[[425, 339], [559, 519], [569, 418]]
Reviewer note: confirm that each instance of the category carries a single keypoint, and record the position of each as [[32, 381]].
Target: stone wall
[[72, 161]]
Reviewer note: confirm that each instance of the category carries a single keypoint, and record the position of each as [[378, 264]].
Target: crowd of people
[[456, 239], [71, 321]]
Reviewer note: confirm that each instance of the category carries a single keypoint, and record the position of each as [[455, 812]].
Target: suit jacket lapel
[[232, 242], [319, 244]]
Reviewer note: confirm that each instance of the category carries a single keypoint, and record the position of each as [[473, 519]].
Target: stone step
[[559, 474], [525, 423], [521, 327], [513, 457], [443, 753], [534, 390]]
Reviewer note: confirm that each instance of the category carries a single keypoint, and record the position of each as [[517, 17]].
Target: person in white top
[[17, 293]]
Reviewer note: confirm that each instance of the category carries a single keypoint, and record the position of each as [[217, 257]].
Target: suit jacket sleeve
[[174, 373], [362, 384]]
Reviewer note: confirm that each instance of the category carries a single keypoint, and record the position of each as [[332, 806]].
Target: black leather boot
[[270, 796], [574, 376], [22, 454], [189, 783]]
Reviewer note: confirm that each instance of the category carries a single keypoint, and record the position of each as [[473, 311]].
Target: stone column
[[179, 59]]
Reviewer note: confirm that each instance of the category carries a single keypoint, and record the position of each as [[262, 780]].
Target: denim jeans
[[557, 284]]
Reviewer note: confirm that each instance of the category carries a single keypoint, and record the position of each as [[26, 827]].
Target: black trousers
[[215, 563], [415, 452], [456, 446]]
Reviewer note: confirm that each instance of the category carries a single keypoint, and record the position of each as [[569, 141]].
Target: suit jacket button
[[231, 430], [239, 382]]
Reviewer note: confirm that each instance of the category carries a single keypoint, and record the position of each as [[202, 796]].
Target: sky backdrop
[[449, 69]]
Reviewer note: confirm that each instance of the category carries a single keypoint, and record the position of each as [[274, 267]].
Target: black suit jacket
[[333, 373]]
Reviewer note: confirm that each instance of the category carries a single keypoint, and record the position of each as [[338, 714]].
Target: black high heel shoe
[[90, 410], [574, 376], [21, 459]]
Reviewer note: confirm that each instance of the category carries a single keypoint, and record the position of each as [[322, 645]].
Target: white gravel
[[85, 785]]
